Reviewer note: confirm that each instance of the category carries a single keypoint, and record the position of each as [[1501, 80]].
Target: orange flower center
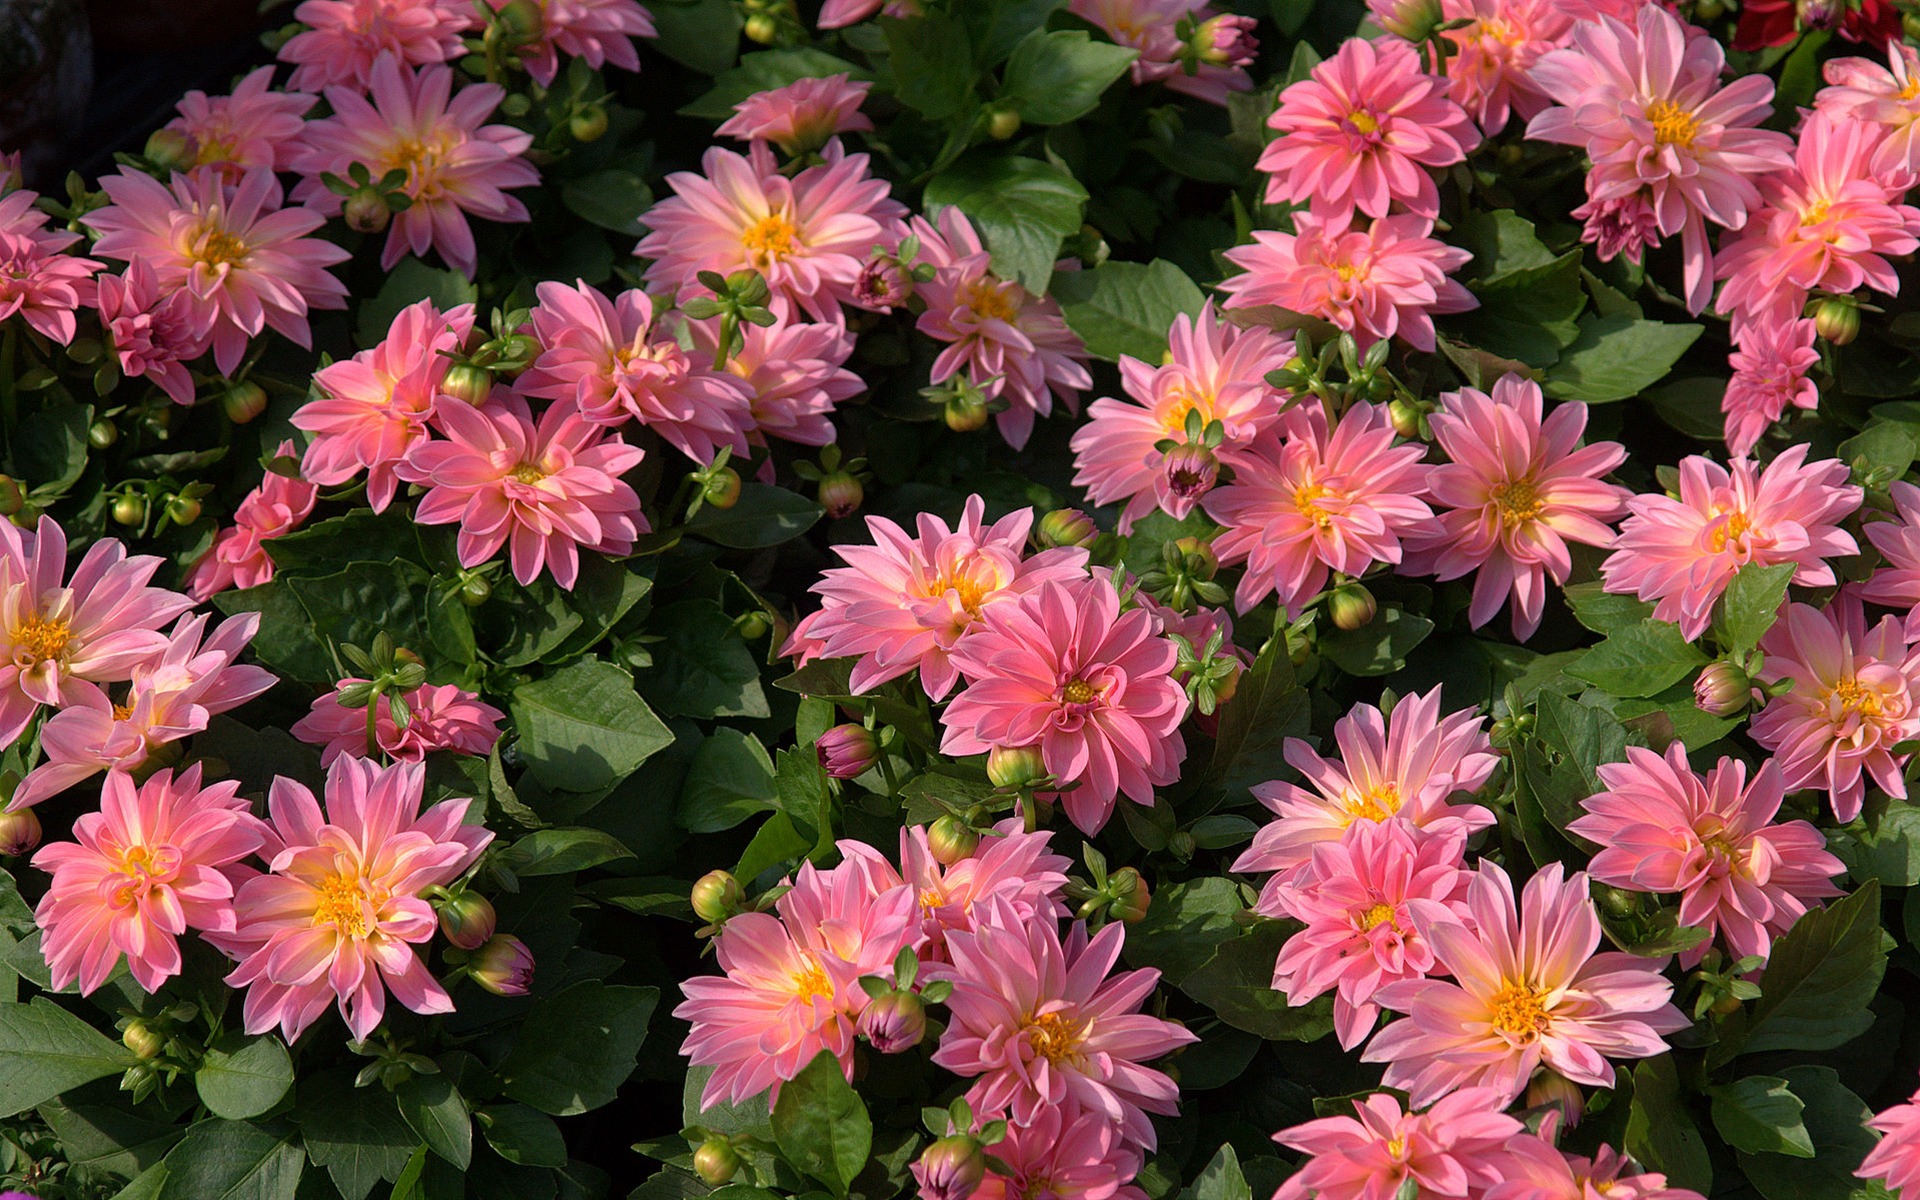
[[992, 300], [1672, 125], [1306, 498], [1519, 1012], [1378, 915], [771, 239], [1854, 697], [1054, 1036], [122, 712], [343, 905], [41, 639], [1374, 804], [810, 982], [1517, 501]]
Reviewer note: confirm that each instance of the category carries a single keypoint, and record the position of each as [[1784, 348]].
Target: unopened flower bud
[[130, 509], [1068, 527], [1837, 319], [1191, 470], [1405, 416], [1414, 20], [468, 383], [143, 1039], [168, 149], [1015, 766], [468, 920], [716, 1161], [1130, 895], [12, 496], [13, 176], [522, 20], [883, 285], [475, 591], [950, 1169], [589, 124], [1003, 124], [722, 488], [951, 839], [243, 401], [762, 28], [503, 966], [102, 434], [1722, 690], [1550, 1087], [717, 895], [894, 1022], [19, 832], [1197, 558], [1226, 41], [965, 413], [183, 509], [1820, 14], [366, 211], [1351, 606], [841, 494], [846, 751]]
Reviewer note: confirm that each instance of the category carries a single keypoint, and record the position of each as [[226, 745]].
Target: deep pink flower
[[1897, 583], [139, 873], [1517, 490], [1855, 696], [1620, 225], [1316, 501], [1038, 1024], [1491, 56], [1404, 767], [1365, 131], [1213, 368], [800, 117], [807, 236], [548, 490], [238, 557], [1682, 553], [1452, 1149], [600, 31], [1895, 1161], [439, 717], [335, 920], [152, 335], [906, 602], [1528, 991], [1661, 828], [1383, 278], [344, 38], [38, 280], [254, 127], [1065, 670], [795, 375], [1059, 1157], [1770, 361], [456, 166], [1860, 89], [244, 262], [1534, 1169], [1209, 71], [1009, 863]]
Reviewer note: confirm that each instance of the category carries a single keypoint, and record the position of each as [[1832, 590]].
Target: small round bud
[[130, 509], [894, 1022], [723, 488], [243, 401], [1414, 20], [1015, 766], [1406, 418], [717, 895], [102, 434], [1709, 10], [366, 211], [1197, 558], [1003, 124], [468, 383], [143, 1039], [516, 354], [1068, 527], [1226, 41], [1351, 606], [762, 28], [1130, 895], [168, 149], [841, 494], [521, 20], [1722, 690], [468, 920], [965, 414], [950, 1169], [884, 284], [182, 510], [716, 1161], [589, 124], [1725, 1005], [475, 591], [1837, 319], [1617, 902], [950, 840], [503, 966], [846, 751], [19, 832], [12, 496], [1182, 845]]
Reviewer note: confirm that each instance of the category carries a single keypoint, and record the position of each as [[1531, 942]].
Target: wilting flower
[[38, 280], [139, 873], [599, 31], [1062, 1157], [1770, 360], [238, 557], [1862, 90], [1682, 553], [1533, 1169], [801, 116], [1855, 696], [1897, 584], [152, 336], [1528, 991], [1895, 1161], [1661, 828], [254, 127], [1064, 669], [344, 38], [1452, 1149], [439, 717], [1492, 55], [1209, 71], [1620, 225], [1007, 862], [1038, 1024]]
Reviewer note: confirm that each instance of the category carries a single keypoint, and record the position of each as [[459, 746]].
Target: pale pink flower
[[254, 127], [170, 697], [1009, 863], [1860, 89], [152, 336], [1682, 553], [545, 491], [376, 406], [1384, 278], [1831, 222], [1365, 131], [1058, 1157], [1770, 361], [1213, 368], [1517, 490], [1366, 901], [238, 556], [1490, 58], [344, 38], [1855, 696], [335, 920], [791, 983], [1662, 828], [439, 717], [1012, 345], [456, 166], [1528, 992], [58, 639], [800, 117], [600, 31], [1897, 583], [1452, 1149], [908, 602], [1404, 767], [795, 375], [1534, 1169], [1316, 502], [1895, 1160], [38, 279], [1065, 670], [1206, 72], [1038, 1024], [244, 262], [140, 872], [808, 236]]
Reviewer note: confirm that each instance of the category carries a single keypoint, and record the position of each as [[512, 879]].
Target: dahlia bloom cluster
[[1208, 62], [39, 280], [428, 718], [238, 557]]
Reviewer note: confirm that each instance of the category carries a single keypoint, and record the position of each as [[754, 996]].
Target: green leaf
[[47, 450], [1023, 207], [561, 851], [1604, 612], [409, 282], [434, 1110], [1380, 647], [1267, 708], [702, 34], [1885, 447], [243, 1077], [1639, 660], [577, 1047], [612, 199], [775, 843], [763, 516], [1885, 847], [1660, 1132], [1502, 242], [821, 1126], [996, 27], [357, 1134], [235, 1160], [1185, 923], [146, 1185], [1123, 308], [1836, 1124], [1617, 357], [1584, 735], [1220, 1179], [106, 1139], [45, 1050], [1818, 980], [932, 61], [1053, 78], [1237, 984], [1528, 313], [1746, 610], [1760, 1114], [583, 727], [701, 666], [521, 1135], [730, 780], [764, 70]]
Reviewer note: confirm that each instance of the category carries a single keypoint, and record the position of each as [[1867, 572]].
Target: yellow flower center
[[122, 712], [217, 247], [1855, 698], [42, 640], [771, 239], [526, 473], [214, 150], [1364, 123], [343, 905], [1519, 1012], [1346, 271], [1185, 400], [1079, 692], [1672, 125], [1517, 501], [992, 301], [1396, 1146], [1375, 804], [1054, 1036], [1306, 498], [1734, 528], [1378, 915], [810, 982]]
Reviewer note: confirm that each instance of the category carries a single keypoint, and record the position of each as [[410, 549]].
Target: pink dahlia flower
[[1209, 67], [1644, 101], [908, 602], [1366, 901], [254, 127], [1517, 490], [1065, 670], [1770, 361], [1404, 767], [1009, 863], [1862, 90], [1213, 368], [456, 166], [336, 919], [1316, 502], [795, 375], [153, 336], [807, 236], [1897, 583], [546, 491], [439, 717], [375, 407], [1383, 278], [1365, 131], [837, 14], [1620, 225], [1855, 696], [238, 556], [1038, 1024], [58, 639], [1528, 991], [1058, 1157], [600, 31], [38, 280], [616, 359], [1452, 1149], [1681, 553], [1895, 1161], [244, 262], [1533, 1169], [344, 38], [1661, 828], [1492, 55], [144, 869], [800, 117]]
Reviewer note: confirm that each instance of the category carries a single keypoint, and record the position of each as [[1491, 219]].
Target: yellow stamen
[[343, 905], [42, 640], [988, 299], [1078, 692], [217, 247], [810, 982], [770, 239], [1735, 527], [1517, 501], [1855, 698], [1519, 1012], [1375, 804], [1055, 1036], [1305, 498], [1672, 125], [526, 473], [122, 711], [1379, 914], [1364, 123]]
